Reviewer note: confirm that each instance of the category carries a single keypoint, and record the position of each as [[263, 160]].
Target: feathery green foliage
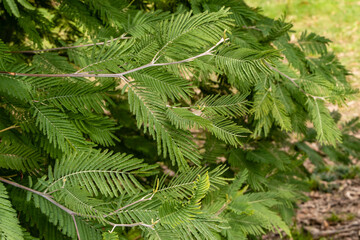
[[157, 120], [9, 224]]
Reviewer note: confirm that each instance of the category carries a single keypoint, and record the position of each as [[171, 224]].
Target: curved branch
[[73, 214], [44, 195], [117, 75]]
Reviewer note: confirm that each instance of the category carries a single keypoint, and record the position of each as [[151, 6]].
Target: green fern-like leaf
[[99, 129], [191, 32], [327, 131], [243, 63], [184, 119], [110, 236], [79, 97], [227, 105], [17, 87], [98, 172], [163, 83], [9, 224], [313, 43], [227, 130], [182, 186], [11, 7], [58, 129], [175, 213], [150, 112], [19, 157], [5, 56], [52, 63]]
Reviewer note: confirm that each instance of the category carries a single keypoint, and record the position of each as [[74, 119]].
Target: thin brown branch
[[46, 196], [251, 27], [223, 207], [292, 80], [117, 75], [76, 227], [8, 128], [70, 47], [143, 199], [282, 74], [115, 225]]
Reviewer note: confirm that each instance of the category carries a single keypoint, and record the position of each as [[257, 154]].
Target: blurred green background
[[338, 20]]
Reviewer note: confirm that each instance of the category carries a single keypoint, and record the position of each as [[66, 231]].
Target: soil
[[334, 215], [330, 216]]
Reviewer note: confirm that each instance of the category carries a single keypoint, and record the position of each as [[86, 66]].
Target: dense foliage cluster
[[158, 119]]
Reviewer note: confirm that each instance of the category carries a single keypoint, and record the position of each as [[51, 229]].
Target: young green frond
[[279, 111], [183, 184], [18, 87], [142, 23], [254, 209], [278, 28], [80, 201], [262, 101], [14, 87], [175, 213], [12, 8]]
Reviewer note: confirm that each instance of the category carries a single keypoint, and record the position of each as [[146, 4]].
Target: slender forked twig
[[117, 75], [130, 225], [70, 47], [143, 199], [72, 213], [292, 80]]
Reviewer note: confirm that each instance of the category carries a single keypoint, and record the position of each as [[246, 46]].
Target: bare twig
[[292, 80], [76, 227], [251, 27], [70, 47], [143, 199], [130, 225], [8, 128], [155, 58], [46, 196], [223, 207], [117, 75], [282, 74]]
